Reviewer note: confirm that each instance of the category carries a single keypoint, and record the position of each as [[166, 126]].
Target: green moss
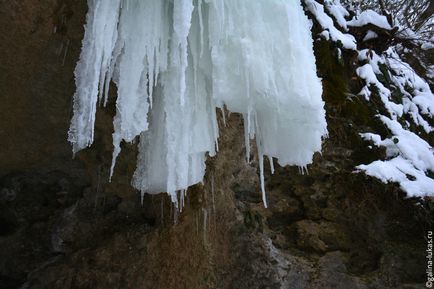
[[384, 77], [330, 68], [253, 220], [397, 95], [409, 88]]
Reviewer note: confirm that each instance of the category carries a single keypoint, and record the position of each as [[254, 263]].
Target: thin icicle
[[271, 164], [199, 8], [261, 176], [247, 136], [181, 199], [222, 109]]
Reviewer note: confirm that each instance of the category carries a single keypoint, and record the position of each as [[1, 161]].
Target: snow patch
[[348, 41], [411, 157], [370, 17], [335, 8], [370, 35]]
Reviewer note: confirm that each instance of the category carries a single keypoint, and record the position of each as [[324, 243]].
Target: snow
[[366, 72], [175, 62], [411, 146], [370, 35], [419, 101], [348, 41], [411, 157], [399, 170], [429, 44], [370, 17], [335, 8], [430, 71]]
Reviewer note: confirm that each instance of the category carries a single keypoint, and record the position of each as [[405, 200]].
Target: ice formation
[[175, 62]]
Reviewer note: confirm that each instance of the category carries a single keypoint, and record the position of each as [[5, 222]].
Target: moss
[[253, 220], [384, 77], [330, 69], [397, 95], [409, 88], [339, 103]]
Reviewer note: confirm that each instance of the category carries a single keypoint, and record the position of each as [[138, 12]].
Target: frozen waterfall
[[175, 61]]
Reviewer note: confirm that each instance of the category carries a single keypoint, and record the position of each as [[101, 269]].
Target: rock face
[[62, 225]]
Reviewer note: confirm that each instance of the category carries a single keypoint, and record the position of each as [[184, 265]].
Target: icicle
[[261, 161], [98, 43], [247, 136], [222, 109], [175, 215], [271, 164], [116, 151], [261, 176], [175, 62], [142, 195], [181, 199], [199, 8], [182, 12]]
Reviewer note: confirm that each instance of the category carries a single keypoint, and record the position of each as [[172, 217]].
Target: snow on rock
[[411, 157], [370, 17], [348, 41], [411, 180], [175, 62], [428, 44], [366, 72], [418, 99], [370, 35], [417, 103], [335, 8]]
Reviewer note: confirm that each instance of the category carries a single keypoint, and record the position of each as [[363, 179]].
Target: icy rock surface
[[175, 62]]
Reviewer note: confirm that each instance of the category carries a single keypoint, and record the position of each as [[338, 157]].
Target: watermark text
[[429, 260]]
